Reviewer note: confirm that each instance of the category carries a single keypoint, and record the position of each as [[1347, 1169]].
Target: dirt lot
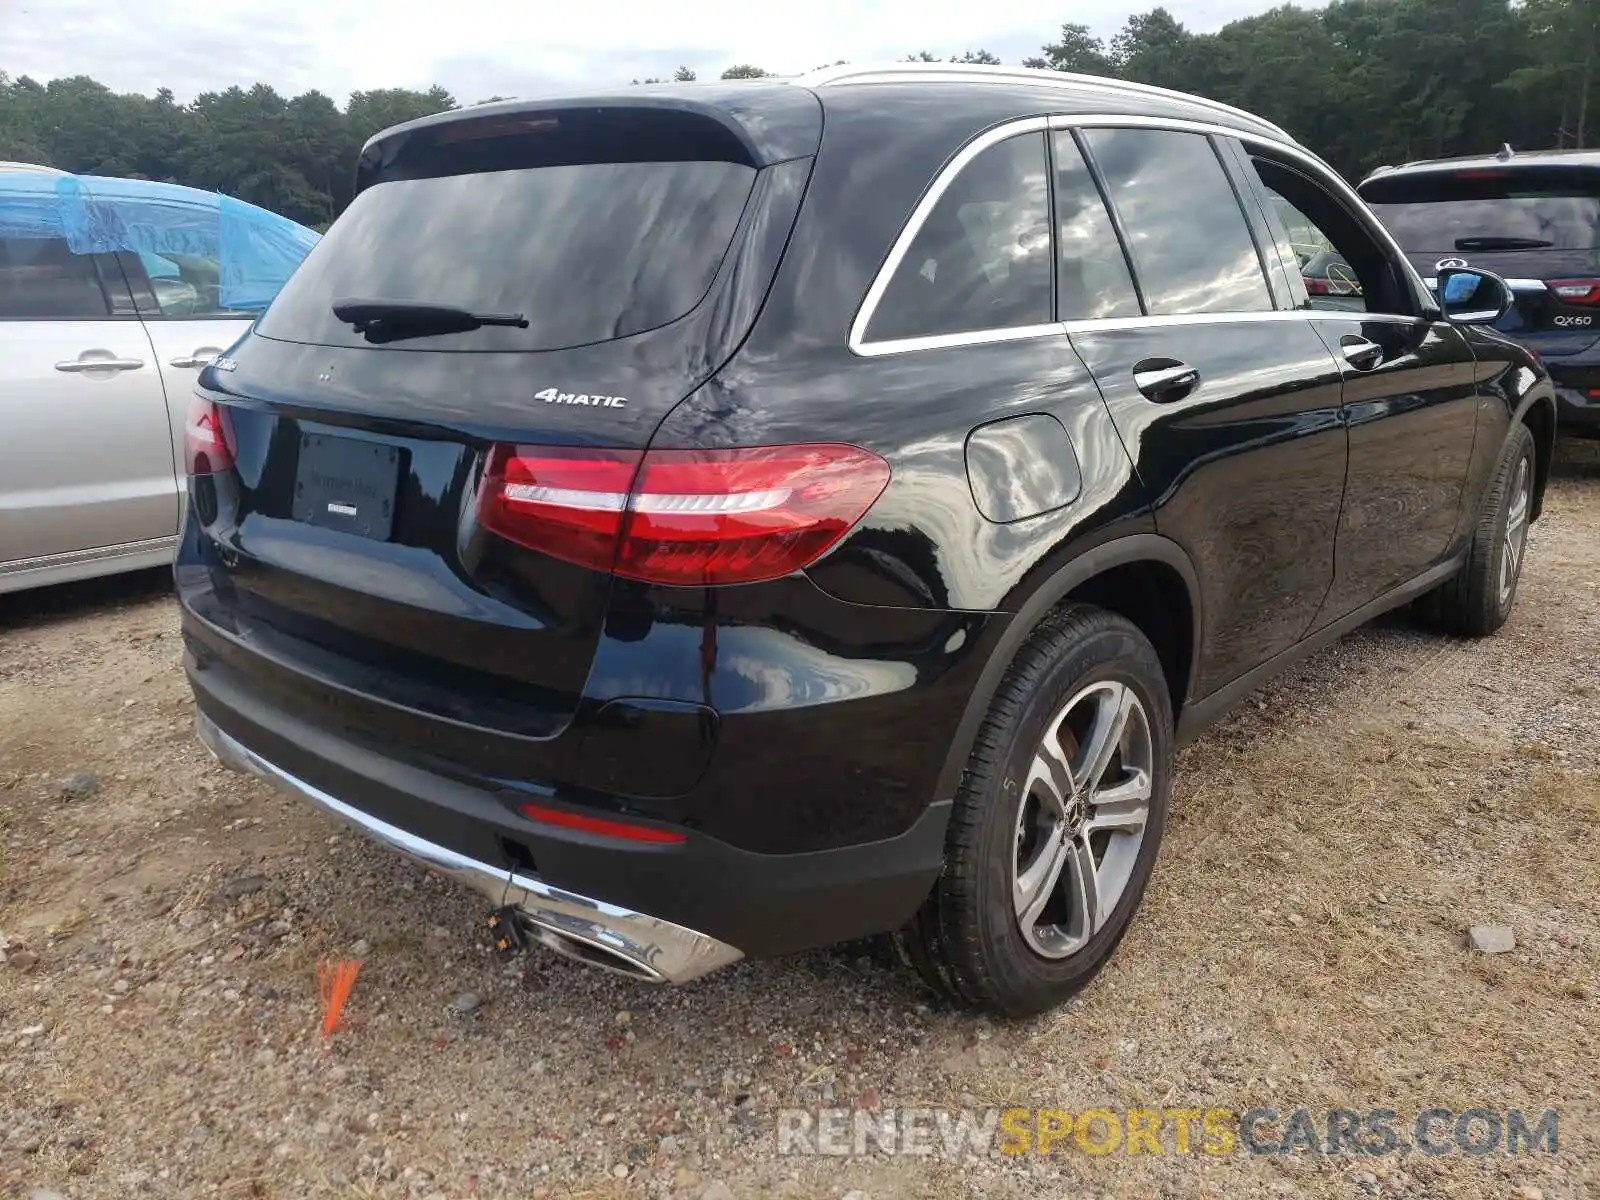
[[1302, 945]]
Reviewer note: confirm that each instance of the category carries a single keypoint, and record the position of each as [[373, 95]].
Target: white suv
[[113, 293]]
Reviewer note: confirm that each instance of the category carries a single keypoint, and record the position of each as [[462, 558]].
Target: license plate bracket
[[347, 484]]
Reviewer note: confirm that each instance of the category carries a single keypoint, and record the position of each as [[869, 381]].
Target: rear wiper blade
[[1502, 243], [390, 320]]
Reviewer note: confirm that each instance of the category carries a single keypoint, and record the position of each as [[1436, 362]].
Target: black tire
[[967, 940], [1474, 603]]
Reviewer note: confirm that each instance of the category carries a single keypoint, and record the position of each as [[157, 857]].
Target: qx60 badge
[[555, 396]]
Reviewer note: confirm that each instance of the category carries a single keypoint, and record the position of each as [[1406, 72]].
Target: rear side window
[[42, 279], [586, 252], [981, 260], [187, 286], [1094, 278], [1490, 209], [1186, 232]]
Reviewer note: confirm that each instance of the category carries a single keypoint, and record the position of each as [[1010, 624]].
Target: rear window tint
[[42, 278], [586, 252], [981, 260], [1187, 234], [1432, 212]]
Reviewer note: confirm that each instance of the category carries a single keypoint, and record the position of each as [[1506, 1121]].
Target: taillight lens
[[1314, 285], [567, 503], [207, 438], [1575, 291], [687, 517]]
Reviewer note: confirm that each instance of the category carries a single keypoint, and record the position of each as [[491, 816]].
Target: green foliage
[[1078, 50], [294, 156], [1362, 82]]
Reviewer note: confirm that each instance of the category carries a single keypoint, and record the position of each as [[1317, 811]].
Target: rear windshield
[[1434, 213], [586, 253]]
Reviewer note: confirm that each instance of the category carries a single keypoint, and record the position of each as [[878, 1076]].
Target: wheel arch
[[1538, 413], [1115, 575]]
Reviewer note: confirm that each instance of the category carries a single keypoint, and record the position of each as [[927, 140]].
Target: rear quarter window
[[587, 252], [980, 261]]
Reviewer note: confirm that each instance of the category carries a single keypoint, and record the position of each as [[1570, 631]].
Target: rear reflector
[[599, 825], [207, 438], [686, 517], [1575, 291]]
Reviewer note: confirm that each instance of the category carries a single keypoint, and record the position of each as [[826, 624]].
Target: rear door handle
[[1360, 353], [80, 365], [1165, 379]]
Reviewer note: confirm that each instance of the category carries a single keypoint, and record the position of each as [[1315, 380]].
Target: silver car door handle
[[1360, 353], [79, 365], [1166, 383], [193, 360]]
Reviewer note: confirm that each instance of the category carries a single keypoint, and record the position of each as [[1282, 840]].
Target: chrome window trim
[[1111, 324], [1323, 173], [908, 234], [946, 341]]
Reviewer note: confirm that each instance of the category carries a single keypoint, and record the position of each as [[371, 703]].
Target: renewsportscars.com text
[[1260, 1132]]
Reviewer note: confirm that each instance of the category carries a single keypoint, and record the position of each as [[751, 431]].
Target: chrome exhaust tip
[[591, 954], [618, 939]]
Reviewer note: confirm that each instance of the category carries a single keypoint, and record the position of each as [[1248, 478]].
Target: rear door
[[85, 447], [1537, 226], [188, 326], [199, 279], [1230, 410], [1410, 391]]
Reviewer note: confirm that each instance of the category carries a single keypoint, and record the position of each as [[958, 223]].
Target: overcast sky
[[479, 48]]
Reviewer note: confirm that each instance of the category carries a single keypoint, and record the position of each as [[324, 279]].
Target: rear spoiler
[[757, 124]]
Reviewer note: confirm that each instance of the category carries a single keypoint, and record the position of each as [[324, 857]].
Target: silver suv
[[113, 293]]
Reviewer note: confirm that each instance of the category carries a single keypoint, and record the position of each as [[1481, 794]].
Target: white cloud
[[477, 48]]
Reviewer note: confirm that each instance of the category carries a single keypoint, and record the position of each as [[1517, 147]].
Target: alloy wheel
[[1516, 535], [1081, 818]]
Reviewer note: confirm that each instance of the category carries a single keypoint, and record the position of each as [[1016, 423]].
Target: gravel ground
[[1303, 944]]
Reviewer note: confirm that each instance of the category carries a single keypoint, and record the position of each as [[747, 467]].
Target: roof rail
[[22, 166], [977, 72]]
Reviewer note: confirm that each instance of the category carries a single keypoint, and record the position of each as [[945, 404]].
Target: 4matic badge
[[555, 396]]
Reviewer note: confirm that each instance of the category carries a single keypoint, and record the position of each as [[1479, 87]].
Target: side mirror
[[1472, 297]]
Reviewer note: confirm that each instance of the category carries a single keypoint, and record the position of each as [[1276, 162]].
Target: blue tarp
[[255, 250]]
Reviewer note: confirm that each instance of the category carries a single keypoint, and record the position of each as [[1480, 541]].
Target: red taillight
[[613, 829], [1575, 291], [1315, 286], [207, 438], [690, 517], [567, 503]]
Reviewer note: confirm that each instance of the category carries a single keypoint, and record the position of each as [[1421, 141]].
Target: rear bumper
[[1576, 412], [671, 911], [616, 937]]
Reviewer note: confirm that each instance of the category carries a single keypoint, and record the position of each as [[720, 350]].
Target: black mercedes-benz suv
[[728, 519], [1532, 218]]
